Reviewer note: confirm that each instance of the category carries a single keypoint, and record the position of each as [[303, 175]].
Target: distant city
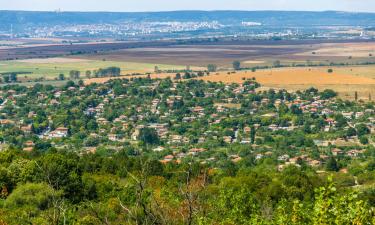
[[195, 24]]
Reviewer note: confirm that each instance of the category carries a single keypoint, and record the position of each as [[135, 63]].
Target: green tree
[[332, 164], [61, 76], [236, 65], [148, 136], [30, 200], [362, 129], [88, 74], [211, 68], [74, 74]]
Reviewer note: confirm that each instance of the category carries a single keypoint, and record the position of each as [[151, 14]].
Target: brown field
[[250, 53], [222, 53], [53, 60], [343, 50]]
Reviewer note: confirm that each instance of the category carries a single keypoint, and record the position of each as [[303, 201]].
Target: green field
[[50, 70]]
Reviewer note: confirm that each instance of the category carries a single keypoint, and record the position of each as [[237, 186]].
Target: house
[[259, 156], [195, 151], [247, 130], [29, 144], [354, 153], [26, 129], [227, 139], [235, 158], [60, 132], [321, 143], [113, 137], [313, 163], [201, 140], [347, 115], [6, 122], [283, 157], [167, 159], [102, 121], [359, 114], [198, 109], [54, 102], [158, 149], [176, 139], [28, 149], [336, 152]]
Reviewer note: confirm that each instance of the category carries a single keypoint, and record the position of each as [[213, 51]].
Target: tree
[[252, 135], [13, 77], [330, 70], [211, 68], [38, 196], [108, 72], [236, 65], [362, 129], [61, 76], [328, 93], [332, 165], [30, 200], [148, 136], [277, 63], [363, 140], [6, 79], [74, 74], [61, 171], [351, 132], [88, 74]]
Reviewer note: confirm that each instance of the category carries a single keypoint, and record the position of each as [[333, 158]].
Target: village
[[190, 120]]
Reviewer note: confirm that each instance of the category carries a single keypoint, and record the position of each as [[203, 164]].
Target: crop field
[[345, 80], [143, 57], [222, 53], [250, 53], [50, 68], [365, 49]]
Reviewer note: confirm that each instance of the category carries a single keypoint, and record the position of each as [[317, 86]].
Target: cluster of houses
[[226, 104]]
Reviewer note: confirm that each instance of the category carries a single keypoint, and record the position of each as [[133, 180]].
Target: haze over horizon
[[172, 5]]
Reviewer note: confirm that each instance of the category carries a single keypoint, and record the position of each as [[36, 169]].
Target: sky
[[169, 5]]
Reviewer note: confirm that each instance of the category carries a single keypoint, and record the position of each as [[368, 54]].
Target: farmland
[[141, 58], [250, 53], [345, 80], [50, 68]]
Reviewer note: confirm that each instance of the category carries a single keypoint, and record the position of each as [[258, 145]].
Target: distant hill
[[268, 18]]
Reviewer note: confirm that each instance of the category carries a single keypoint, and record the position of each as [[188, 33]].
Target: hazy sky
[[167, 5]]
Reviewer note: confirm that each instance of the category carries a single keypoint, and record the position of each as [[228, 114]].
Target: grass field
[[50, 68]]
